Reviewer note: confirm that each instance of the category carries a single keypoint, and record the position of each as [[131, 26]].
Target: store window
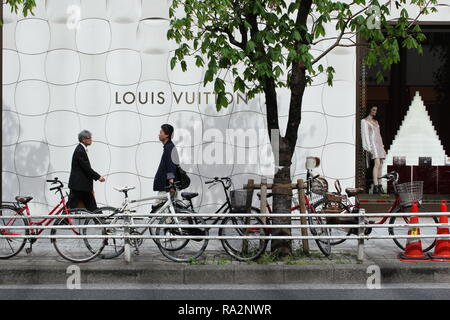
[[427, 74]]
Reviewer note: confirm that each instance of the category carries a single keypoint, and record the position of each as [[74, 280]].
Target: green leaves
[[319, 29], [219, 85], [27, 6], [199, 61], [261, 41], [410, 43], [173, 63], [379, 77], [330, 75], [219, 90], [209, 77], [250, 46], [183, 66], [239, 85], [270, 37]]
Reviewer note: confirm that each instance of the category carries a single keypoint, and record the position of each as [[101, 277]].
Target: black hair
[[168, 129], [370, 109]]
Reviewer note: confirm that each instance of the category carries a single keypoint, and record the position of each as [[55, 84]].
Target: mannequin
[[373, 144]]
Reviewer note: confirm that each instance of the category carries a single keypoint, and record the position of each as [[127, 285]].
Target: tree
[[26, 6], [273, 39]]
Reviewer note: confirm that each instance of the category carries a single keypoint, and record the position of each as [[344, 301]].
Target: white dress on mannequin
[[371, 139]]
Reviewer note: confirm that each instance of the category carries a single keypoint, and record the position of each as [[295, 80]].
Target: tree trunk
[[282, 194], [282, 190]]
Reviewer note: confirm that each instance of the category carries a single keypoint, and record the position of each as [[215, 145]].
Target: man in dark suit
[[166, 174], [82, 176]]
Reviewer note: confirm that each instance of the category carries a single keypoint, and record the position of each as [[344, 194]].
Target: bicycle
[[312, 201], [174, 249], [69, 248], [405, 195], [242, 250]]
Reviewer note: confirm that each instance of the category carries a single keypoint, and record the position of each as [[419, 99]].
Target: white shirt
[[85, 148]]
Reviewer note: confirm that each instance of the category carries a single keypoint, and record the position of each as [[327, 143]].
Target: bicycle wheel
[[181, 249], [240, 249], [173, 245], [12, 246], [114, 247], [323, 244], [333, 231], [427, 243], [76, 247]]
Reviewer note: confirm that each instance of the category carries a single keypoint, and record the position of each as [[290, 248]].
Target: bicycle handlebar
[[217, 179], [56, 181], [225, 181], [391, 176]]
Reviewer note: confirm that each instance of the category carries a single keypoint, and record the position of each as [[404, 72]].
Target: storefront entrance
[[428, 74]]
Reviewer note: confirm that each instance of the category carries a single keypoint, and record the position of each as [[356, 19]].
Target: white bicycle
[[175, 249]]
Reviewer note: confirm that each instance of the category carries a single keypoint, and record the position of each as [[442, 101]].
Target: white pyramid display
[[416, 138]]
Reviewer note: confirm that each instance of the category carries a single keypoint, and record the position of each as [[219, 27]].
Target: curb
[[166, 273]]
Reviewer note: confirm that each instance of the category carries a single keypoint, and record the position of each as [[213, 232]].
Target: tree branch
[[231, 38], [340, 35], [420, 13]]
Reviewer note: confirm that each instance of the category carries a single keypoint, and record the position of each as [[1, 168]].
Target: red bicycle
[[314, 190], [405, 195], [15, 222]]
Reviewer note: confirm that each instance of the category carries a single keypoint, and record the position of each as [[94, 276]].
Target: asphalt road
[[236, 292]]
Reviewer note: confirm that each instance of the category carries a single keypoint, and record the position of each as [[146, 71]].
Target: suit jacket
[[82, 176], [167, 168]]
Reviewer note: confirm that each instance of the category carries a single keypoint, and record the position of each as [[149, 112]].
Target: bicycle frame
[[296, 205], [25, 210], [226, 206], [391, 209], [167, 204], [396, 204]]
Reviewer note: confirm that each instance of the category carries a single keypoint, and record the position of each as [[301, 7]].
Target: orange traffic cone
[[413, 251], [442, 248]]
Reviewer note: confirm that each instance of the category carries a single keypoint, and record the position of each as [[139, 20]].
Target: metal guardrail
[[200, 214], [128, 224]]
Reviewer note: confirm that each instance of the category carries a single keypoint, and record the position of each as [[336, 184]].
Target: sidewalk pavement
[[43, 266]]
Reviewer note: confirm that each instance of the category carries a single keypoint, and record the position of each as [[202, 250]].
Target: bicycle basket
[[410, 191], [315, 199], [319, 186], [241, 200], [333, 203], [332, 197]]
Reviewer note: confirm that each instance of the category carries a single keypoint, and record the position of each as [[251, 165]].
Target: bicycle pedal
[[367, 231], [28, 250]]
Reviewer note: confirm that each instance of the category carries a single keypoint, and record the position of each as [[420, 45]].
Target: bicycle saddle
[[23, 200], [269, 194], [354, 191], [124, 189], [189, 195]]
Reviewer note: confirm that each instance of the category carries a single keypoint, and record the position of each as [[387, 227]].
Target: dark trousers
[[86, 197]]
